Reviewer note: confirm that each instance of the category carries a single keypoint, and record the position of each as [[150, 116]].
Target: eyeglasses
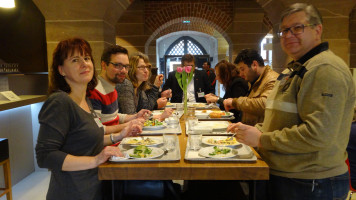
[[295, 30], [120, 66], [144, 67]]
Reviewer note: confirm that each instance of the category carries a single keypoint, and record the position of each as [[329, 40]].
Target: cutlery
[[231, 137]]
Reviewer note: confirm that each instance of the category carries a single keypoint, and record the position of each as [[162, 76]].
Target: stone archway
[[175, 25]]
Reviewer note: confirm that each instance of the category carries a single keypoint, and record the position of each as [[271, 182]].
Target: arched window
[[185, 45]]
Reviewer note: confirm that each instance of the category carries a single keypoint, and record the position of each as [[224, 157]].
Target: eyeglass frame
[[289, 29], [119, 66], [148, 67]]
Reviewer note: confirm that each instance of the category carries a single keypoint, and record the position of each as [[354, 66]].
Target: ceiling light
[[7, 3]]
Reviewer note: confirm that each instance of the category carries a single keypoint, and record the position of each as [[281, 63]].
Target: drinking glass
[[192, 122], [179, 108], [191, 111], [173, 121], [169, 140], [194, 141]]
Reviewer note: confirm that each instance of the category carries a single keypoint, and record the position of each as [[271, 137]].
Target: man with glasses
[[197, 88], [306, 129], [114, 67]]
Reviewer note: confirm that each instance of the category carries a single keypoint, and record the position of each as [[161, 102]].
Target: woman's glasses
[[148, 67]]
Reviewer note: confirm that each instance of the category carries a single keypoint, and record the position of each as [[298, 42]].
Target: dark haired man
[[114, 66], [211, 74], [304, 135], [197, 88], [261, 79]]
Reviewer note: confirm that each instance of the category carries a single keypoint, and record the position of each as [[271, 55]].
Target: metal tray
[[245, 152], [217, 119], [170, 156]]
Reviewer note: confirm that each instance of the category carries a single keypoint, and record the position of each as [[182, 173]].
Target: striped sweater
[[104, 101]]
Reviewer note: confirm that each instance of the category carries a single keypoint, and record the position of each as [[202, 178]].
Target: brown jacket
[[253, 106]]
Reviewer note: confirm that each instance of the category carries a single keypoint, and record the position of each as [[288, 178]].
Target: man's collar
[[316, 50]]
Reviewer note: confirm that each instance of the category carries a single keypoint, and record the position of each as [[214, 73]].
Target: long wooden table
[[185, 170]]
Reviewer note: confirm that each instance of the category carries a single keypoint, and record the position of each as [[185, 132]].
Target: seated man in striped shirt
[[114, 64]]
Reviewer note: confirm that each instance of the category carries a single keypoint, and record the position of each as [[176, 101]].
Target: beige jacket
[[253, 106], [308, 119]]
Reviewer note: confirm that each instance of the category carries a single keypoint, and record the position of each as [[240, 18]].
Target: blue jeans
[[333, 188]]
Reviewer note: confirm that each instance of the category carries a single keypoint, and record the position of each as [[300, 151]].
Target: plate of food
[[146, 141], [220, 141], [169, 104], [217, 152], [144, 152], [202, 114], [220, 114], [153, 124]]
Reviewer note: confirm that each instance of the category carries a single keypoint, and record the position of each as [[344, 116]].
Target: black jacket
[[201, 83], [238, 88]]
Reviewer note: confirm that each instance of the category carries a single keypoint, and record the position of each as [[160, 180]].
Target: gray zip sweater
[[308, 118]]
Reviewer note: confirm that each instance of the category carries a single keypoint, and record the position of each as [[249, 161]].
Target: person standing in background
[[304, 135], [211, 75], [196, 88]]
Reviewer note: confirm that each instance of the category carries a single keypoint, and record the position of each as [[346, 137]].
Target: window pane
[[178, 49], [193, 48]]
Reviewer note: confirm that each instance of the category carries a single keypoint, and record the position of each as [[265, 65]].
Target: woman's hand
[[159, 80], [167, 113], [161, 102], [143, 114], [106, 153], [131, 130], [211, 98], [167, 93]]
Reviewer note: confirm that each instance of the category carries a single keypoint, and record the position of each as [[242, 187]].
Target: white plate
[[202, 115], [205, 140], [217, 125], [168, 105], [135, 141], [152, 128], [157, 112], [229, 114], [156, 152], [207, 150]]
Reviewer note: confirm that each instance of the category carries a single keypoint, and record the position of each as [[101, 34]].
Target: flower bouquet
[[184, 75]]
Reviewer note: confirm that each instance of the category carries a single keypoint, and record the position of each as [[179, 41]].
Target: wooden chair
[[7, 176]]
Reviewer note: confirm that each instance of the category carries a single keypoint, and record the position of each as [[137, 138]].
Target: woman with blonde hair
[[146, 94]]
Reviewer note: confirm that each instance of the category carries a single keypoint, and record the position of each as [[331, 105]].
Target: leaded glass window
[[178, 49], [185, 45]]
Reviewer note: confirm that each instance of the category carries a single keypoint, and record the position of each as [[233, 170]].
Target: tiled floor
[[35, 186]]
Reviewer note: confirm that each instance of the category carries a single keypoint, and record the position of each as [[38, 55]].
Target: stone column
[[92, 20]]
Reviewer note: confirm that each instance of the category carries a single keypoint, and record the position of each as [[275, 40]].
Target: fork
[[231, 137]]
